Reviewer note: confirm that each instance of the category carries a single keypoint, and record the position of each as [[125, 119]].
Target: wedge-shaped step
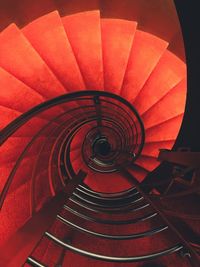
[[169, 71], [14, 94], [11, 149], [138, 172], [152, 149], [147, 162], [171, 105], [146, 51], [15, 212], [84, 33], [19, 58], [48, 37], [100, 182], [31, 127], [5, 170], [164, 131], [117, 38]]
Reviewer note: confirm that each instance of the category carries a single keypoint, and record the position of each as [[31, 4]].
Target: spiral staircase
[[90, 92]]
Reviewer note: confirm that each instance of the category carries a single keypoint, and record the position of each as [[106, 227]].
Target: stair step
[[117, 38], [48, 37], [152, 149], [84, 34], [170, 106], [165, 131], [147, 162], [169, 71], [18, 57], [100, 182], [138, 172], [14, 93], [15, 211], [146, 51], [31, 127]]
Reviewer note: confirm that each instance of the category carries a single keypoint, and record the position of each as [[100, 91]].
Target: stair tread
[[138, 172], [84, 34], [170, 106], [152, 149], [169, 71], [167, 130], [117, 38], [147, 162], [144, 56], [15, 92], [48, 37], [30, 127], [18, 57], [100, 182]]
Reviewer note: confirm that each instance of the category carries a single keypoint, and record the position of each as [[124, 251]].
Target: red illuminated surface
[[131, 48]]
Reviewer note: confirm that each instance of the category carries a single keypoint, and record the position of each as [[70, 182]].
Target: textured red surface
[[117, 46]]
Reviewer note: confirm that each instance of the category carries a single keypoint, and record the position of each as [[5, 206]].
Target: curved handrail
[[108, 199], [75, 96], [113, 222], [108, 211], [113, 237], [165, 252], [109, 208]]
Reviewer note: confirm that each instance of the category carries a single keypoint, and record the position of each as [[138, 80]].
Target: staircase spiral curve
[[86, 103]]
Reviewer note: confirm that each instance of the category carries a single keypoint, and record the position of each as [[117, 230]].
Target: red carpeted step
[[147, 162], [117, 38], [17, 95], [19, 58], [138, 172], [102, 182], [167, 130], [31, 127], [10, 150], [171, 105], [169, 71], [146, 51], [48, 37], [15, 212], [156, 17], [152, 149], [84, 33], [78, 165]]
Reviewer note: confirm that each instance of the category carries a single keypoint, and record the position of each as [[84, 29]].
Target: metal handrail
[[116, 211], [112, 222], [113, 205], [114, 237], [106, 198], [109, 208], [152, 256], [35, 263]]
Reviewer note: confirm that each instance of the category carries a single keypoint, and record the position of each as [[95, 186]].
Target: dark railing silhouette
[[113, 143]]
